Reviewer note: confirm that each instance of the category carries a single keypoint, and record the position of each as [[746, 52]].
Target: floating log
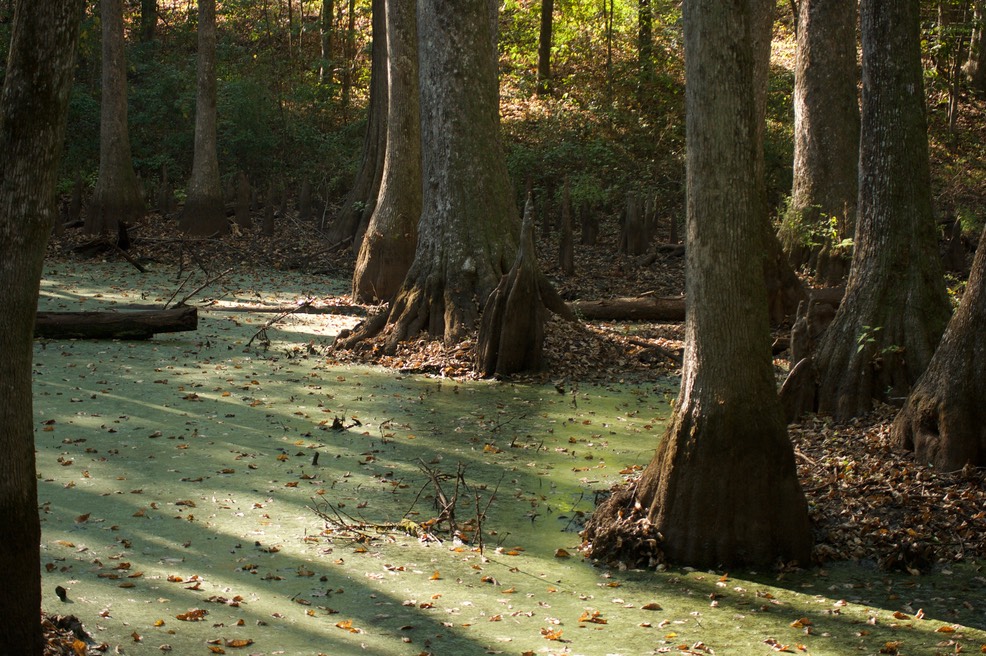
[[115, 325]]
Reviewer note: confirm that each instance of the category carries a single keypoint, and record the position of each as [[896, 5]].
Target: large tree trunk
[[944, 419], [390, 238], [357, 208], [722, 488], [826, 139], [33, 106], [204, 213], [895, 307], [469, 222], [117, 197]]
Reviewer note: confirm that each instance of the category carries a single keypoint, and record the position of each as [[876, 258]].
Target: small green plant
[[867, 337]]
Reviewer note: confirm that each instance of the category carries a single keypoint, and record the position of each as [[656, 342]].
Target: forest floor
[[870, 504]]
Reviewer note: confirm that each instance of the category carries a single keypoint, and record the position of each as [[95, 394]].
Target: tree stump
[[511, 333]]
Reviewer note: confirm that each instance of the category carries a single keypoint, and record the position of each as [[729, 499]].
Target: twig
[[204, 285], [273, 320]]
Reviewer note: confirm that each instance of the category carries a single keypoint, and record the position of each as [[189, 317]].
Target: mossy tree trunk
[[895, 308], [468, 226], [390, 238], [826, 139], [204, 212], [943, 420], [117, 197], [357, 208], [33, 107], [722, 488]]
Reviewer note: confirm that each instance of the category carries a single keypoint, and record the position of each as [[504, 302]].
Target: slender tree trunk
[[290, 28], [389, 241], [349, 55], [325, 33], [544, 47], [894, 310], [117, 197], [204, 213], [148, 20], [975, 67], [358, 206], [826, 139], [785, 291], [944, 419], [645, 48], [705, 498], [33, 107]]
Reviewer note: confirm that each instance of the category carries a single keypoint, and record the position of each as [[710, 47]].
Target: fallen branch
[[638, 308], [262, 333]]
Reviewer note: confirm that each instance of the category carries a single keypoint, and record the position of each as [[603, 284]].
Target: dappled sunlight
[[183, 473]]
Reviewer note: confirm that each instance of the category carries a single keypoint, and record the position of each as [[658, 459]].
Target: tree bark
[[722, 488], [203, 213], [358, 206], [148, 20], [645, 48], [943, 420], [822, 211], [469, 222], [390, 238], [117, 197], [544, 47], [325, 43], [114, 325], [895, 307], [33, 107], [975, 67]]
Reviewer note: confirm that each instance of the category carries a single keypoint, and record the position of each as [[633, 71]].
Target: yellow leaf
[[435, 576], [652, 606], [240, 642], [561, 553]]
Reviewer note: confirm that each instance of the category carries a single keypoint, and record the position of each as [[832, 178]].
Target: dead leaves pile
[[64, 635], [154, 239], [870, 502]]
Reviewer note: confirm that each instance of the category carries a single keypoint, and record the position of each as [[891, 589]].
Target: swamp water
[[178, 483]]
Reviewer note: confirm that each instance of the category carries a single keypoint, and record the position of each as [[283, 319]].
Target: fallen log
[[666, 308], [114, 325], [638, 308]]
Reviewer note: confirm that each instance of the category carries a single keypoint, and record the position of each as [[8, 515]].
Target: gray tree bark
[[33, 107], [204, 213], [895, 308], [117, 197], [469, 223], [826, 138], [943, 420], [705, 495], [390, 238]]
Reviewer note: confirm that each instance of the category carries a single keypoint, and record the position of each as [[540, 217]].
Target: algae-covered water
[[179, 480]]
